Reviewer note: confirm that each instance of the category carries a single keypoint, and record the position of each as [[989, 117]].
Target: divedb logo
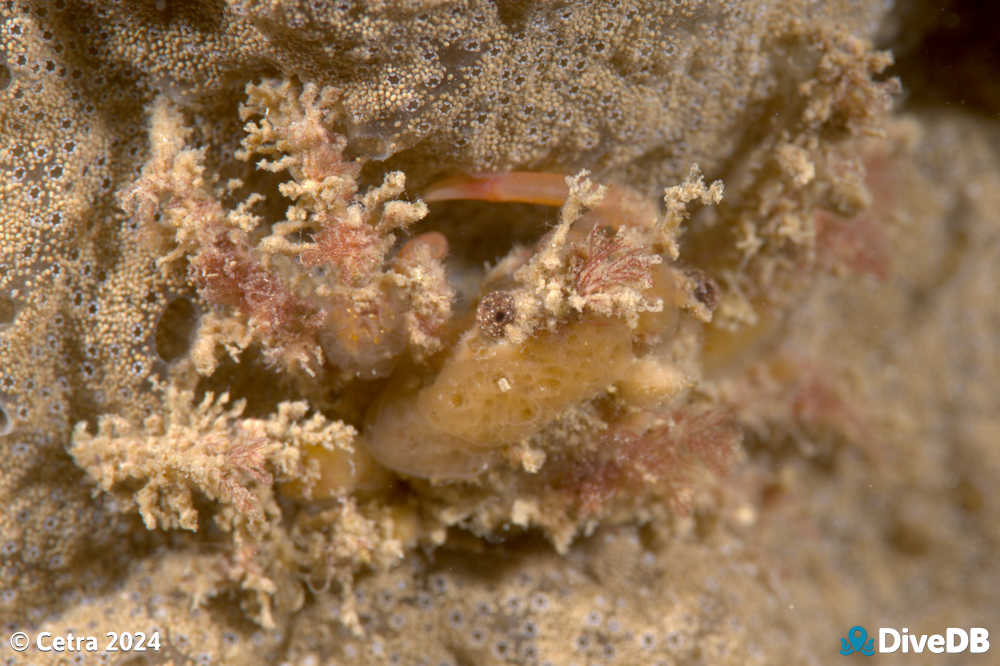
[[975, 640]]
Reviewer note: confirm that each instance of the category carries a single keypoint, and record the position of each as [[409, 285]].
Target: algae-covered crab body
[[593, 309]]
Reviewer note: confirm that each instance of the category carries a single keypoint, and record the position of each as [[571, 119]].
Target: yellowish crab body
[[593, 311], [589, 313]]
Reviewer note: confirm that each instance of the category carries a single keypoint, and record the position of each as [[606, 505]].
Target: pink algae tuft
[[662, 460]]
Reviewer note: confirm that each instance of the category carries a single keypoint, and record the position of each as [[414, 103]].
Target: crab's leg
[[619, 206], [547, 189]]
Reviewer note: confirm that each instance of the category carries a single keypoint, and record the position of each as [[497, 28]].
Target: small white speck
[[745, 515]]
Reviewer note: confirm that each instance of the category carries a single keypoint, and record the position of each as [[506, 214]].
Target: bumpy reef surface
[[525, 332]]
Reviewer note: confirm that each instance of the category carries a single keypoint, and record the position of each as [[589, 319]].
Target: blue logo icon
[[859, 642]]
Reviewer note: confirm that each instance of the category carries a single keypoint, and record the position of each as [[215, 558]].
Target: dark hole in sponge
[[175, 329], [8, 310], [5, 76], [947, 54], [5, 422], [514, 13], [252, 379]]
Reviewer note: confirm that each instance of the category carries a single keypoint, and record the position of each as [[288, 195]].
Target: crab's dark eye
[[496, 310], [705, 290]]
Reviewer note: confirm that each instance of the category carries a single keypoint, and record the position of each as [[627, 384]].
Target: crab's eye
[[495, 311], [704, 288]]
